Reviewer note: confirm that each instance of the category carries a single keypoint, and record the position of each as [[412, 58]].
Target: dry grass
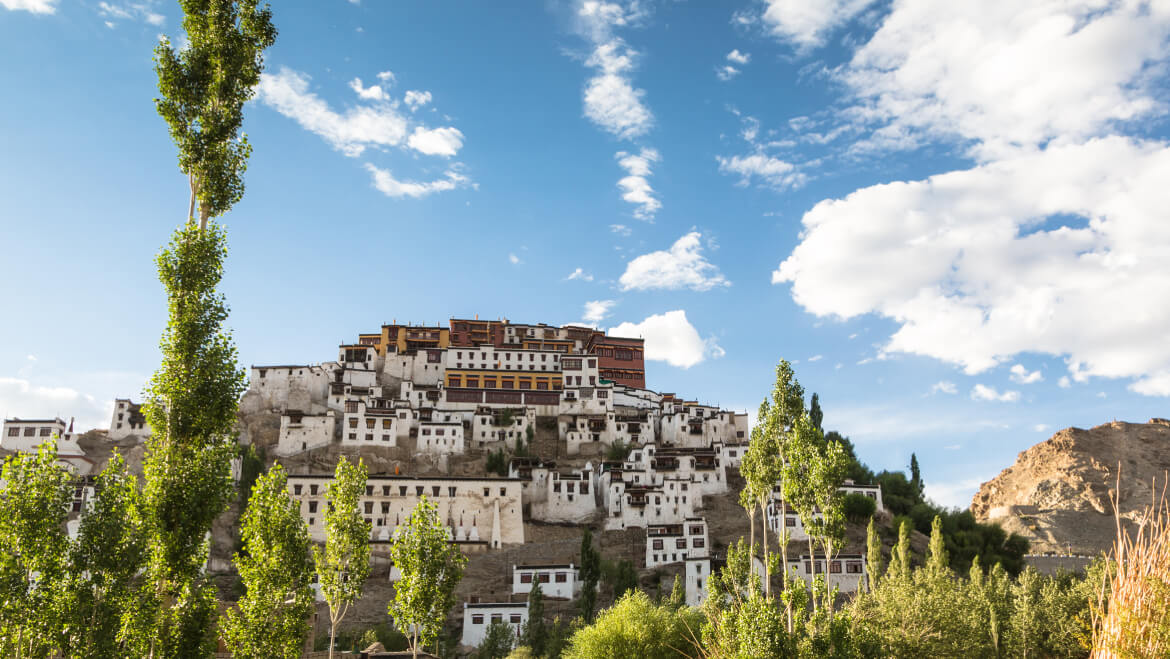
[[1133, 614]]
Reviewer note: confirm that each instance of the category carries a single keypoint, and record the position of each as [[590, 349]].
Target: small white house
[[561, 581], [303, 432], [675, 543], [477, 617], [440, 437], [843, 571], [127, 419]]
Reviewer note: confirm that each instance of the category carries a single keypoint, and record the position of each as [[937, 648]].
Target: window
[[514, 618], [297, 490], [562, 577], [657, 545], [451, 491], [312, 506], [386, 424], [351, 406], [497, 617], [696, 530], [503, 491], [401, 490], [369, 490], [369, 437], [477, 619], [370, 423], [313, 490], [434, 490], [418, 490], [544, 578], [385, 507], [698, 542], [526, 577], [353, 423], [369, 507], [30, 432], [835, 567], [681, 543], [45, 432], [853, 567]]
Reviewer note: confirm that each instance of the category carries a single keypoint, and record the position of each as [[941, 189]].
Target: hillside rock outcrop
[[1058, 493]]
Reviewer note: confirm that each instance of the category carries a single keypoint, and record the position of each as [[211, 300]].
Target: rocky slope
[[1058, 493]]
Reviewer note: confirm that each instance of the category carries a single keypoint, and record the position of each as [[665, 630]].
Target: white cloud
[[977, 266], [288, 93], [611, 101], [129, 11], [726, 72], [19, 397], [739, 58], [984, 392], [579, 274], [1064, 382], [598, 18], [620, 229], [31, 358], [635, 186], [953, 494], [670, 338], [774, 172], [597, 310], [816, 358], [682, 266], [436, 141], [1040, 427], [371, 93], [33, 6], [416, 99], [945, 387], [1020, 375], [806, 24], [513, 259], [385, 183], [387, 77], [1006, 75]]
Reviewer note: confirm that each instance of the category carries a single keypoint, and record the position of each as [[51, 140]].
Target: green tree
[[590, 575], [678, 594], [916, 477], [272, 618], [497, 641], [191, 408], [621, 577], [204, 88], [344, 564], [636, 627], [431, 567], [815, 413], [873, 556], [33, 546], [536, 632], [105, 561]]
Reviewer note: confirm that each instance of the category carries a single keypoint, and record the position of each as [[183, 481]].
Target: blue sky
[[950, 216]]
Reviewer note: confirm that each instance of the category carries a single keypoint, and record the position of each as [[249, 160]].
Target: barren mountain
[[1058, 493]]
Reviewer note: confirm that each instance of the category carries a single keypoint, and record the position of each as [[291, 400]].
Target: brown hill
[[1057, 494]]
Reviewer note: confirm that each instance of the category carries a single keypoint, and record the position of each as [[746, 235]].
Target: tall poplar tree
[[430, 567], [272, 618], [192, 398], [344, 564]]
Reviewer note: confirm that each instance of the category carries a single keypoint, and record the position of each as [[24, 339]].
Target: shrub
[[858, 507]]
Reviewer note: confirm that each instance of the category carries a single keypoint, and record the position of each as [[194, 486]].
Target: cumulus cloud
[[611, 101], [387, 78], [635, 186], [1021, 375], [371, 93], [737, 57], [579, 274], [806, 24], [23, 398], [415, 99], [436, 141], [671, 338], [984, 392], [513, 259], [385, 183], [682, 266], [597, 310], [770, 170], [287, 92], [944, 387], [726, 72], [1001, 75], [1064, 382], [1035, 253], [33, 6]]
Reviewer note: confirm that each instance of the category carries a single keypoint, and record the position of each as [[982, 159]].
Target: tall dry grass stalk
[[1132, 618]]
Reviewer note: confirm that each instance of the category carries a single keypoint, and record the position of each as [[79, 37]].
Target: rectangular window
[[353, 423], [477, 619], [497, 617], [451, 491], [297, 490], [853, 567], [370, 424], [30, 432], [313, 490], [401, 490], [544, 578], [312, 506], [351, 406], [835, 567], [562, 577], [526, 578], [14, 432], [369, 507], [681, 543], [657, 545], [45, 432], [515, 618], [418, 490], [434, 490], [698, 542]]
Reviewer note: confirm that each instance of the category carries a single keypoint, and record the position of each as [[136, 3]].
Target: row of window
[[543, 577], [370, 437], [851, 567], [489, 382], [419, 490], [477, 618], [30, 432], [569, 487], [507, 356], [679, 543]]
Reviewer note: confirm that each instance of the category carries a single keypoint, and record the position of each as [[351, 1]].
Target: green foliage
[[204, 88], [344, 564], [535, 633], [678, 594], [105, 560], [590, 576], [621, 576], [251, 466], [815, 413], [272, 617], [559, 633], [857, 507], [932, 612], [431, 567], [522, 652], [637, 627], [497, 642], [619, 450], [33, 546], [873, 555], [916, 477], [497, 463]]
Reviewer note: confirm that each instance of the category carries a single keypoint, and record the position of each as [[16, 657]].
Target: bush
[[637, 627], [617, 451], [859, 508]]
